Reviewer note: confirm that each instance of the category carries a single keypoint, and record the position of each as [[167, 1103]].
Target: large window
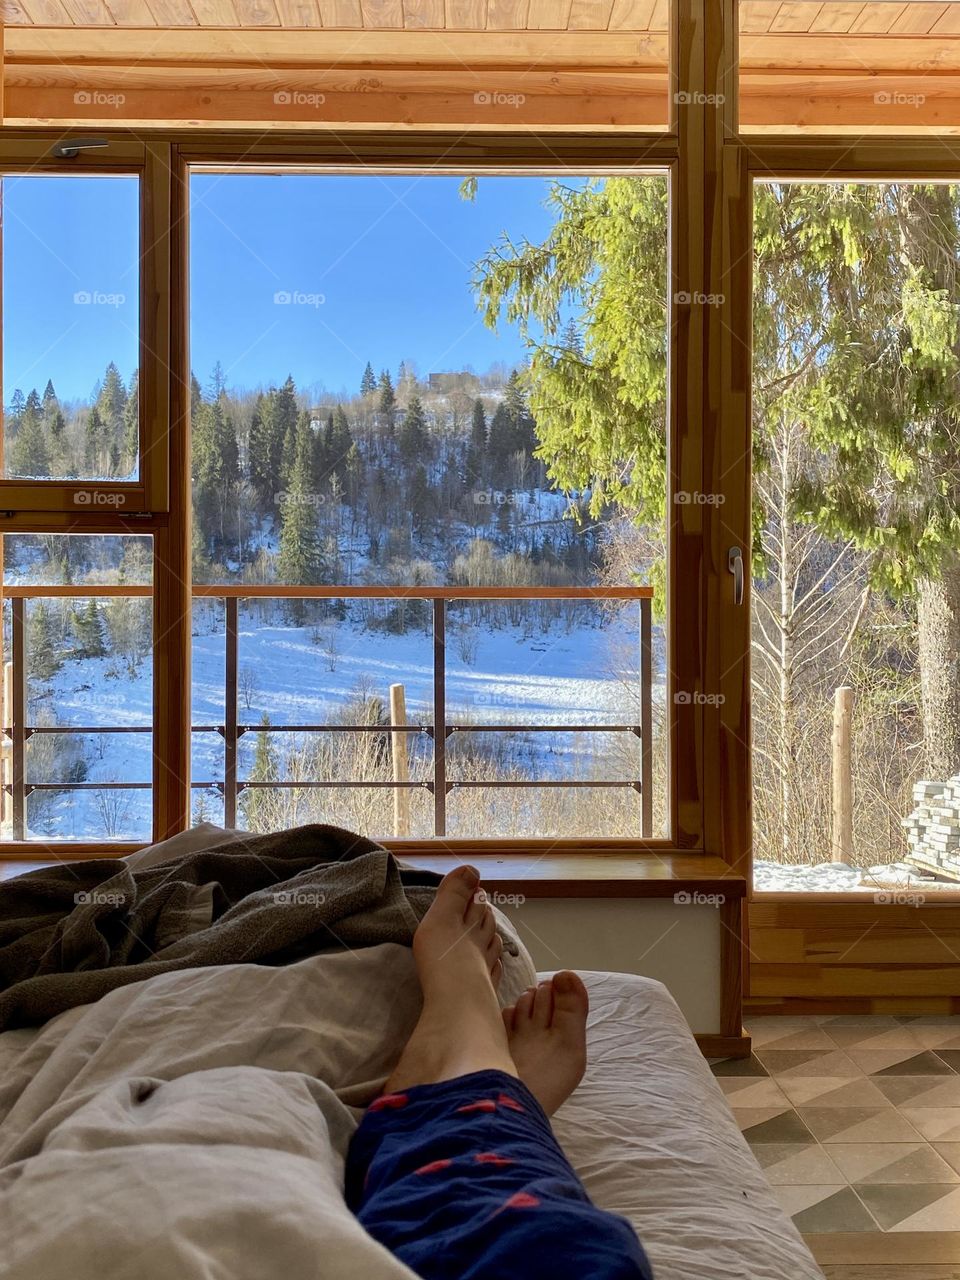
[[441, 608], [857, 475]]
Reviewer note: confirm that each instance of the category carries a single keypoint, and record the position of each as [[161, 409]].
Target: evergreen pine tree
[[29, 454], [95, 444], [216, 472], [16, 406], [131, 426], [257, 801], [477, 445], [44, 657], [88, 628], [300, 560], [387, 399], [368, 383], [413, 438]]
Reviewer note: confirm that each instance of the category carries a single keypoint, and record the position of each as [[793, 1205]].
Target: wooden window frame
[[147, 161]]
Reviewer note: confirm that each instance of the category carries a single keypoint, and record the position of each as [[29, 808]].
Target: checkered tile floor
[[855, 1120]]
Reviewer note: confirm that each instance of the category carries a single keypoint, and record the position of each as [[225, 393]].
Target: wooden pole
[[842, 776], [401, 764]]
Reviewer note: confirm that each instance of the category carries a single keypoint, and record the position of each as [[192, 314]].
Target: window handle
[[735, 565]]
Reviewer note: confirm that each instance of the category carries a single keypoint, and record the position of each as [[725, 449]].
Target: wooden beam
[[373, 50], [66, 96]]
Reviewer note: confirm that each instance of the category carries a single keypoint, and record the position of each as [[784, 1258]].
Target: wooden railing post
[[401, 764], [842, 840], [646, 719]]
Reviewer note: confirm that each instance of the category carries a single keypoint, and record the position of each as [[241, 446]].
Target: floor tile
[[795, 1038], [891, 1162], [950, 1151], [862, 1037], [761, 1126], [796, 1164], [951, 1057], [755, 1091], [835, 1208], [751, 1066], [936, 1124], [833, 1091], [916, 1206], [901, 1062], [858, 1124], [918, 1091], [808, 1062]]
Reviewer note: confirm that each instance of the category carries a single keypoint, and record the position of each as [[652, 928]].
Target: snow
[[584, 674], [894, 880]]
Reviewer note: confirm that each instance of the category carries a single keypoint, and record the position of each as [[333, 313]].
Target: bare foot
[[547, 1033], [457, 950]]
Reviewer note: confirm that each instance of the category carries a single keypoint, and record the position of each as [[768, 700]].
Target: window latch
[[735, 566]]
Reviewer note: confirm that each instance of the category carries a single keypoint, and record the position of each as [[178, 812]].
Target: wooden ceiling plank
[[507, 15], [757, 15], [257, 13], [632, 15], [548, 15], [949, 24], [43, 13], [381, 14], [811, 53], [343, 14], [876, 19], [590, 15], [166, 13], [134, 13], [465, 15], [796, 15], [917, 19], [837, 18], [299, 14], [424, 15], [92, 13], [215, 13]]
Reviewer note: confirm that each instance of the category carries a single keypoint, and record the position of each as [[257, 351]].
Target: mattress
[[651, 1135]]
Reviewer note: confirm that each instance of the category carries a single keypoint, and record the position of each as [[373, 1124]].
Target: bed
[[194, 1125]]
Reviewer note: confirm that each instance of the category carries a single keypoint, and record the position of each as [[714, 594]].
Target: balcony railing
[[16, 786]]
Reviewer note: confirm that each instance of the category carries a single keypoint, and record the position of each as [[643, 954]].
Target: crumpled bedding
[[194, 1126]]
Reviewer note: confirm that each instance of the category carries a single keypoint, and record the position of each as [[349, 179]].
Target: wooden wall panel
[[853, 956]]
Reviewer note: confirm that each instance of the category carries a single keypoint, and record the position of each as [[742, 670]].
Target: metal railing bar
[[277, 591], [242, 729]]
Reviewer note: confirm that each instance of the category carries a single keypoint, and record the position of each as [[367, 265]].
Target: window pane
[[837, 67], [856, 624], [357, 425], [79, 766], [70, 327]]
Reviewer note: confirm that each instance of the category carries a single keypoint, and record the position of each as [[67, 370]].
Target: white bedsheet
[[194, 1126]]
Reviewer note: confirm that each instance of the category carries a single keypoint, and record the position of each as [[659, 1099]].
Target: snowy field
[[308, 675]]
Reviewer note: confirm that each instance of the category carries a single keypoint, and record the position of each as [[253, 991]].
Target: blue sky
[[375, 268]]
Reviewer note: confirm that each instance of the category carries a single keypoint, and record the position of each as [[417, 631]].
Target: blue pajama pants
[[464, 1180]]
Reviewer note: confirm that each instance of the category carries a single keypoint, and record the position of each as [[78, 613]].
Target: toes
[[496, 973], [457, 889], [494, 949], [543, 1005], [570, 999], [508, 1016], [524, 1007], [477, 909], [487, 927]]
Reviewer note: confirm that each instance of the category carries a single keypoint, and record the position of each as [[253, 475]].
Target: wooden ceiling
[[825, 66], [825, 17], [351, 15]]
